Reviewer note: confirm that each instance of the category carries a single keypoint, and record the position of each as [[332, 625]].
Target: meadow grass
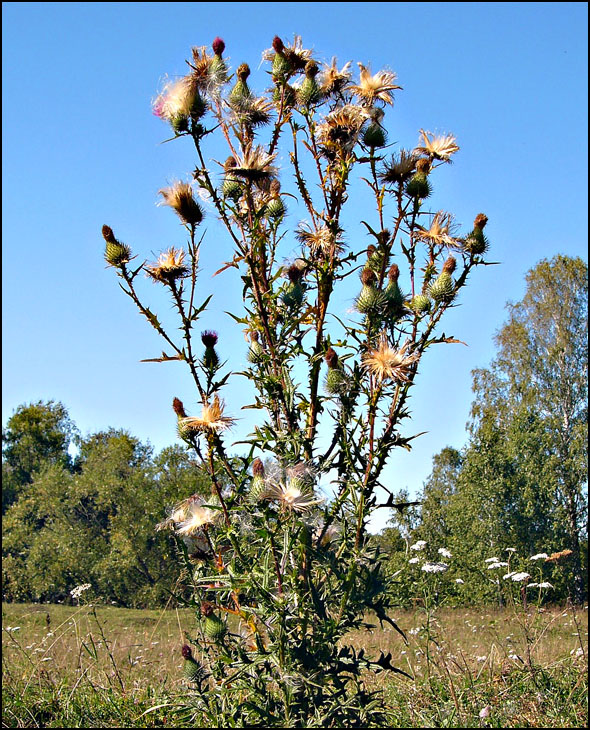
[[102, 666]]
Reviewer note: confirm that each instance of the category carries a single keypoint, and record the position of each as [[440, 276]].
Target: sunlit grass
[[105, 667]]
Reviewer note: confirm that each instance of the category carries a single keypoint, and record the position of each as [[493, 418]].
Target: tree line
[[87, 514]]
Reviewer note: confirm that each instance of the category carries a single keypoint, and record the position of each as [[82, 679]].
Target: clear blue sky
[[82, 148]]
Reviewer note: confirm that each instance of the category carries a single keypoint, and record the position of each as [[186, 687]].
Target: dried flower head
[[197, 517], [372, 88], [438, 148], [323, 241], [385, 363], [252, 111], [255, 164], [441, 231], [258, 468], [332, 80], [293, 495], [341, 128], [400, 168], [176, 99], [211, 420], [169, 266], [179, 196]]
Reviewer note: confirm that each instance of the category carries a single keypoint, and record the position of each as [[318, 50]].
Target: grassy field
[[108, 667]]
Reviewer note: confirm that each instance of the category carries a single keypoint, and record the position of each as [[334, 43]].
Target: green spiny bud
[[442, 290], [374, 135], [336, 381], [257, 490], [420, 304], [231, 188], [241, 92], [214, 627], [192, 670], [275, 208], [292, 295], [419, 186], [116, 253]]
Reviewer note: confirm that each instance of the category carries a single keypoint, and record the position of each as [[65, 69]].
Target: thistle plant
[[278, 572]]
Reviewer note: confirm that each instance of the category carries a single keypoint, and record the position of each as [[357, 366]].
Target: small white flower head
[[420, 545], [78, 590], [485, 711], [481, 658], [508, 575], [413, 561], [539, 556], [492, 560], [445, 553], [519, 577], [499, 564], [434, 567], [545, 584], [459, 581], [510, 550]]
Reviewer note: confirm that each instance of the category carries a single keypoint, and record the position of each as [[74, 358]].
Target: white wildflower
[[445, 553], [539, 556], [508, 575], [460, 581], [481, 658], [420, 545], [510, 550], [435, 567], [11, 629], [78, 590], [519, 577], [545, 584], [413, 561], [499, 564], [485, 712], [492, 560]]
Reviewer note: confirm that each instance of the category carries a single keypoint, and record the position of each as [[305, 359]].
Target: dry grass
[[106, 666]]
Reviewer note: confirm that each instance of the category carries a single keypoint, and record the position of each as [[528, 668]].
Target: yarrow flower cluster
[[434, 567], [419, 545], [78, 590]]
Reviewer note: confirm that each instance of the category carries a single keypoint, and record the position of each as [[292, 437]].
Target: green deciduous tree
[[96, 524], [36, 434]]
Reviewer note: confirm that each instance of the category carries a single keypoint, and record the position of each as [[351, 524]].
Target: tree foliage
[[521, 480], [95, 524]]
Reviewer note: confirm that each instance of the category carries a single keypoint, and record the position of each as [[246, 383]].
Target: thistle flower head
[[322, 242], [291, 495], [178, 408], [450, 265], [400, 168], [187, 652], [179, 196], [255, 164], [372, 88], [437, 148], [169, 266], [331, 358], [211, 420], [393, 273], [385, 363], [252, 111], [341, 128], [332, 80], [295, 54], [176, 99], [209, 338], [441, 231], [218, 46], [480, 221], [197, 517], [258, 468]]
